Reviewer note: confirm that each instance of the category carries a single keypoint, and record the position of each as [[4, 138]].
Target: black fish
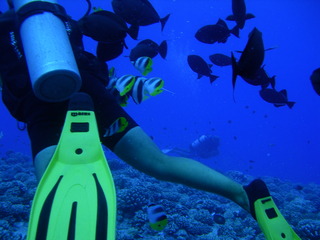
[[251, 58], [240, 14], [198, 65], [104, 26], [278, 99], [138, 12], [148, 48], [315, 80], [261, 78], [218, 32], [220, 59], [109, 51]]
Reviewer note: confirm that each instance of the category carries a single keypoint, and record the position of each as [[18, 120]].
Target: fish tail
[[133, 31], [163, 48], [163, 21], [213, 78], [235, 31], [291, 104]]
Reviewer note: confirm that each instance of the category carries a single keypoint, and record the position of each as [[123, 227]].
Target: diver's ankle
[[244, 200]]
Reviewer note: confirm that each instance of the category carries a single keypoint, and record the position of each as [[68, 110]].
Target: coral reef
[[309, 229], [192, 214]]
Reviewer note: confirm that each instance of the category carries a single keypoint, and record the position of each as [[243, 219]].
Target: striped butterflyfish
[[157, 217], [119, 125], [154, 86], [124, 84], [143, 65]]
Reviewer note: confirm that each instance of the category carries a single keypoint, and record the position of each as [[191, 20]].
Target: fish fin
[[112, 72], [164, 89], [213, 78], [123, 124], [124, 44], [147, 70], [133, 31], [271, 48], [235, 31], [163, 21], [234, 72], [284, 93], [291, 104], [97, 9], [231, 18], [278, 104], [273, 81], [199, 76], [222, 23], [163, 48], [123, 100], [249, 16]]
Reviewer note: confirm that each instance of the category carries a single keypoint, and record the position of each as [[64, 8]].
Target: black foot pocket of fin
[[262, 207], [80, 101], [255, 190]]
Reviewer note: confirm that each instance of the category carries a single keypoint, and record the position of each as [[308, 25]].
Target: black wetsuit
[[44, 119]]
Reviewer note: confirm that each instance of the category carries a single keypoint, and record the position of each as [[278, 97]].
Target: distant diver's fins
[[76, 196], [272, 223]]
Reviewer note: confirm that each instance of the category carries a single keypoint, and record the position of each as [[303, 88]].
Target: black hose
[[89, 8]]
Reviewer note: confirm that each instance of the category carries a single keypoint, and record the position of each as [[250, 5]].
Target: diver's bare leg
[[138, 150], [42, 160]]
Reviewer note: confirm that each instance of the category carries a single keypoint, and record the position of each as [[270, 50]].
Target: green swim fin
[[272, 223], [76, 196]]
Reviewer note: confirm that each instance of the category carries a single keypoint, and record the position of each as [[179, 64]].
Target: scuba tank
[[52, 66]]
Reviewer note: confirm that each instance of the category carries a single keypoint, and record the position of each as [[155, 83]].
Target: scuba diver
[[205, 146], [43, 107]]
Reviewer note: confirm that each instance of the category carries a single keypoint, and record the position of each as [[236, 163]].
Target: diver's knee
[[161, 168], [42, 160]]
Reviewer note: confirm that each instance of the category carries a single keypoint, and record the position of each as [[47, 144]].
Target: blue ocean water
[[255, 136]]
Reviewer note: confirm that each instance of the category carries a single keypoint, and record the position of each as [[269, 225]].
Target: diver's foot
[[255, 190]]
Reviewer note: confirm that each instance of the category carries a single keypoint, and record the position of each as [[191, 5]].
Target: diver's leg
[[137, 149], [42, 160]]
